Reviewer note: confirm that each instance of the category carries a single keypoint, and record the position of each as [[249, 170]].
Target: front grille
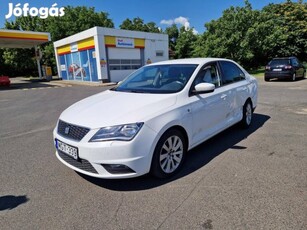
[[80, 164], [74, 132]]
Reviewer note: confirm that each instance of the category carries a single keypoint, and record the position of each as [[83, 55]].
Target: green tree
[[289, 26], [198, 46], [226, 36], [137, 24], [252, 37], [185, 43], [173, 34]]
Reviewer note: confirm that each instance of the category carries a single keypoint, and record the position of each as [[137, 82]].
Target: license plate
[[277, 69], [67, 149]]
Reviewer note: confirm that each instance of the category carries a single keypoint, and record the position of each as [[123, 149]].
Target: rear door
[[235, 84]]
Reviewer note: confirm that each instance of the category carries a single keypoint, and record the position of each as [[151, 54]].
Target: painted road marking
[[48, 87]]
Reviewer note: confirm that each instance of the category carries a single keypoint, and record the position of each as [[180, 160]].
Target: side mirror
[[118, 83], [203, 88]]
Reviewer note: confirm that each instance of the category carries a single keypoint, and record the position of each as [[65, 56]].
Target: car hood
[[114, 108]]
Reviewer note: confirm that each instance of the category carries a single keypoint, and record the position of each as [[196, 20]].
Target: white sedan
[[149, 121]]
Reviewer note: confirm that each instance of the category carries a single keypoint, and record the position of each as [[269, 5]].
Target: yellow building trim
[[82, 45], [110, 40], [63, 49], [89, 42], [139, 43]]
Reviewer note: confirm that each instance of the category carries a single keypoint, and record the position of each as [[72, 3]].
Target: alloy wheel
[[171, 154], [248, 113]]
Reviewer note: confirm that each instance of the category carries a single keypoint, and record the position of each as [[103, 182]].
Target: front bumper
[[96, 157]]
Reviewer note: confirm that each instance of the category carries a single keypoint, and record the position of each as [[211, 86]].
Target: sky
[[188, 13]]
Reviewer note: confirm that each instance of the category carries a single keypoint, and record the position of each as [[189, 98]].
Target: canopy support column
[[37, 54]]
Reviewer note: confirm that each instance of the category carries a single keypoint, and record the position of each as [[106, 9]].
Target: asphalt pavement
[[240, 179]]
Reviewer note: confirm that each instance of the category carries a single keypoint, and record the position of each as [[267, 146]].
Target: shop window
[[114, 61], [124, 64], [114, 67], [159, 53]]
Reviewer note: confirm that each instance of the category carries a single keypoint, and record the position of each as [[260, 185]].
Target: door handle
[[224, 96]]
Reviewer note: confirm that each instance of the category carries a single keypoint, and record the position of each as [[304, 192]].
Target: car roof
[[190, 61], [280, 58]]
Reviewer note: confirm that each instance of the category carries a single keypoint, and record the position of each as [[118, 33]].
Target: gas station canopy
[[22, 39]]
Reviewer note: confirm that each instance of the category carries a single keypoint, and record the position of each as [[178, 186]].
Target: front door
[[209, 110]]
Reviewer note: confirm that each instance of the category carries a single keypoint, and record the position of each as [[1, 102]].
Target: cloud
[[182, 21], [179, 21], [167, 22], [195, 31]]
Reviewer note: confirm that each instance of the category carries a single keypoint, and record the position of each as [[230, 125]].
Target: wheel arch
[[183, 131], [250, 100], [166, 129]]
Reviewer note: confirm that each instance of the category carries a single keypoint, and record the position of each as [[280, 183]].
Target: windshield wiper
[[137, 91]]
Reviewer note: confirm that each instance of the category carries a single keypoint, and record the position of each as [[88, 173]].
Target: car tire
[[247, 114], [266, 79], [169, 154], [294, 77]]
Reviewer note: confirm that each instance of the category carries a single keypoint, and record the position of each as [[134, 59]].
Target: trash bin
[[48, 73]]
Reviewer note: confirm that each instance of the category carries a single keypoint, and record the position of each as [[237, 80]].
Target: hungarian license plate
[[67, 149], [277, 69]]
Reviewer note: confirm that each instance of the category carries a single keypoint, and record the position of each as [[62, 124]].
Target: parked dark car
[[284, 68]]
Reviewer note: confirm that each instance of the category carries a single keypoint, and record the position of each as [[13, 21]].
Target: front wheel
[[169, 154], [247, 114]]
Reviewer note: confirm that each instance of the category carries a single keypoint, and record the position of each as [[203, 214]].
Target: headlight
[[119, 132]]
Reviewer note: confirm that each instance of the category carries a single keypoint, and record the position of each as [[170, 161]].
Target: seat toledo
[[149, 121]]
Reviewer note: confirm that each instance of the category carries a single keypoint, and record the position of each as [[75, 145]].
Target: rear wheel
[[169, 154], [247, 114], [294, 77]]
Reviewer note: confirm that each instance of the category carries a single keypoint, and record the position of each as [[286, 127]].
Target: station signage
[[73, 47], [124, 42]]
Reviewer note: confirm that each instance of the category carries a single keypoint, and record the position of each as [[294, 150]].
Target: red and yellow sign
[[85, 44], [24, 36], [22, 39]]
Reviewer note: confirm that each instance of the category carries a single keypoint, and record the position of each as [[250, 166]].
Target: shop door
[[122, 62]]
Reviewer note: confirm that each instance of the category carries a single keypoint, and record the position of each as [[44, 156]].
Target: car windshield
[[277, 62], [157, 79]]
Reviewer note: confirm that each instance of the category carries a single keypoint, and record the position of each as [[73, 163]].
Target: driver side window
[[209, 74]]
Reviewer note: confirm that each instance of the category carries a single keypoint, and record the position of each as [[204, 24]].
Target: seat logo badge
[[66, 130]]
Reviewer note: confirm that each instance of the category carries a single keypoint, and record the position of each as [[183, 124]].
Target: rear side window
[[231, 73], [277, 62], [295, 62]]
